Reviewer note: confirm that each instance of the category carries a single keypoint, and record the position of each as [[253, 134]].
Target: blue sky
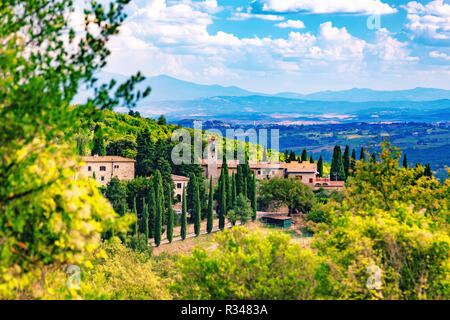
[[288, 45]]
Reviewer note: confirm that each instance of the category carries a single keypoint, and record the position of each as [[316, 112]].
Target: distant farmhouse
[[305, 172], [104, 168], [180, 183]]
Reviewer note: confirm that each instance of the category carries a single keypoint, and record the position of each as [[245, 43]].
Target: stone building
[[304, 171], [106, 167], [180, 183]]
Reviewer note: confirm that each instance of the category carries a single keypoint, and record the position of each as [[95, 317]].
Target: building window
[[259, 171], [116, 166], [89, 168], [102, 168], [103, 178], [310, 180], [178, 185], [178, 197]]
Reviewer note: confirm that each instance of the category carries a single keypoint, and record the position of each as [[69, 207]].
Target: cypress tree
[[145, 162], [170, 219], [99, 142], [427, 172], [286, 156], [373, 157], [337, 166], [197, 209], [183, 215], [346, 161], [353, 162], [233, 193], [136, 225], [159, 207], [292, 156], [222, 207], [151, 210], [190, 193], [311, 160], [239, 181], [210, 216], [405, 162], [320, 166], [253, 197], [304, 155], [145, 219], [362, 155]]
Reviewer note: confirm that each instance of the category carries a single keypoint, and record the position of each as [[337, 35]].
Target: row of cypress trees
[[154, 212], [230, 187]]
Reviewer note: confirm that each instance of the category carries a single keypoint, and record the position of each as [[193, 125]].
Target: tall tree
[[362, 155], [210, 215], [253, 197], [116, 193], [353, 162], [99, 142], [197, 210], [405, 162], [239, 180], [190, 193], [136, 225], [159, 207], [304, 155], [346, 161], [222, 205], [320, 166], [311, 159], [145, 220], [373, 157], [183, 215], [233, 193], [427, 172], [337, 172], [162, 120], [151, 209], [292, 156], [170, 218], [145, 154]]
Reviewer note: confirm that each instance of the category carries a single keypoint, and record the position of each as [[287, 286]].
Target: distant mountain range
[[167, 88], [179, 99], [362, 95]]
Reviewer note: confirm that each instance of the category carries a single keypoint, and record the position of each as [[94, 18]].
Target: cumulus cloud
[[293, 24], [439, 55], [173, 38], [429, 23], [323, 6], [239, 16]]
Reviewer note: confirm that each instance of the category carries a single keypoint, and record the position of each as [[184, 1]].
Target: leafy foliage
[[248, 265]]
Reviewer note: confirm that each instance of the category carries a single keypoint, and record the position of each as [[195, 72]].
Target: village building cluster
[[104, 168]]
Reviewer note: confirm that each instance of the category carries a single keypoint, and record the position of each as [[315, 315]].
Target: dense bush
[[248, 265]]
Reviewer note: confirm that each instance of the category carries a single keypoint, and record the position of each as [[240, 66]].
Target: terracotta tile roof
[[106, 159], [304, 166], [179, 178]]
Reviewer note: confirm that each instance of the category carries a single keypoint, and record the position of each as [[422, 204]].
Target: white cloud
[[429, 23], [293, 24], [239, 16], [324, 6], [172, 38], [439, 55], [390, 49]]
